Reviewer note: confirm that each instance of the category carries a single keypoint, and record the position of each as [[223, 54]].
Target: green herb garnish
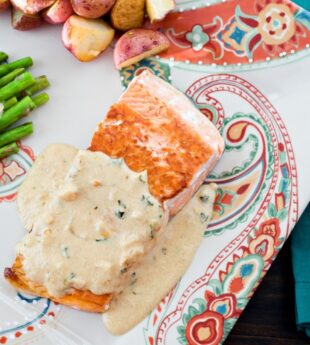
[[154, 226], [120, 203], [71, 276], [204, 198], [65, 252], [117, 161], [147, 201], [100, 239], [120, 214], [133, 279], [141, 179], [203, 217]]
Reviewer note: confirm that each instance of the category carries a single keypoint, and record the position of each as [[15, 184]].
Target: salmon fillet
[[156, 128], [78, 299]]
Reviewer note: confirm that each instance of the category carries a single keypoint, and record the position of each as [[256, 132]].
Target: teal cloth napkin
[[303, 3], [300, 246]]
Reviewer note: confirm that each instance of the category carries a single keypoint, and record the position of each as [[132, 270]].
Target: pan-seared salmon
[[93, 225], [78, 299], [154, 127]]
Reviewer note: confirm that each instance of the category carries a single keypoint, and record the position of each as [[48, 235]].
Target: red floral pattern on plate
[[237, 31]]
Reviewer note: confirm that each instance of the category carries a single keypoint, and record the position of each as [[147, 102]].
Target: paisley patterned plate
[[245, 64]]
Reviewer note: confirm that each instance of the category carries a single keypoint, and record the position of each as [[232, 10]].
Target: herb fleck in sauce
[[65, 252], [204, 198], [203, 217]]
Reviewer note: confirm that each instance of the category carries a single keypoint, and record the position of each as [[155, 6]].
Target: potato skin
[[23, 21], [128, 14], [59, 12], [4, 5], [136, 44], [92, 8]]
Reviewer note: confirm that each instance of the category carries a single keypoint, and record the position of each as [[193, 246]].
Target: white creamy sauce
[[164, 265], [96, 227], [47, 173]]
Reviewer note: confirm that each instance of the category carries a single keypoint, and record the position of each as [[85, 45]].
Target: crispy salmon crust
[[78, 299], [161, 144]]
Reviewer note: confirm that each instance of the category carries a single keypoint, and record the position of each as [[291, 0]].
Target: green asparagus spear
[[21, 63], [11, 76], [16, 112], [3, 57], [40, 84], [8, 150], [14, 87], [4, 69], [40, 99], [10, 102], [24, 62], [16, 133]]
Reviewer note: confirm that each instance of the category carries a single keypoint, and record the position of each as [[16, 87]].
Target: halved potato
[[92, 8], [78, 299], [158, 9], [4, 5], [59, 12], [128, 14], [23, 21], [138, 44], [32, 6], [86, 38]]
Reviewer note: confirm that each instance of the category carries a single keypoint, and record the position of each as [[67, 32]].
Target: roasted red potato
[[4, 5], [59, 12], [138, 44], [86, 38], [23, 21], [128, 14], [32, 6], [92, 8]]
